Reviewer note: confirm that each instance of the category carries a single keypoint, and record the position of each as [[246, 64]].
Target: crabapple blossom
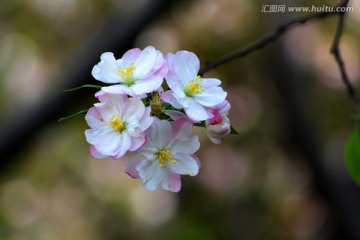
[[218, 126], [134, 113], [168, 152], [136, 73], [118, 124], [188, 90]]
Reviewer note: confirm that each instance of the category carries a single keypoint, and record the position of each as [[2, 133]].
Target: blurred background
[[283, 177]]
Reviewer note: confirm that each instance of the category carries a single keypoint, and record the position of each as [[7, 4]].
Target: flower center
[[127, 74], [116, 123], [194, 87], [165, 157], [156, 104]]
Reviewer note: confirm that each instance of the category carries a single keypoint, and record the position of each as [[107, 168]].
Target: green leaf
[[233, 130], [200, 124], [73, 115], [83, 86], [352, 155]]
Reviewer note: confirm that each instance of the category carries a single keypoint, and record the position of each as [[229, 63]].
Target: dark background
[[283, 177]]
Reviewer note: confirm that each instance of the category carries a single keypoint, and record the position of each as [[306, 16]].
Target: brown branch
[[282, 29], [335, 50], [263, 41]]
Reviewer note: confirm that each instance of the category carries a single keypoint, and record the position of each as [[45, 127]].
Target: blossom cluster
[[149, 107]]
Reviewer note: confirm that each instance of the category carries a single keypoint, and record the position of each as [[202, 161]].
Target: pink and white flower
[[118, 125], [167, 154], [136, 73], [188, 90], [219, 126]]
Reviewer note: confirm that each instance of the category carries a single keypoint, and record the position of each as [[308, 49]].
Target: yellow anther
[[127, 74], [194, 87], [165, 157], [116, 123]]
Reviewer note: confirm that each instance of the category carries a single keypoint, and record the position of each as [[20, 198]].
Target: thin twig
[[266, 39], [282, 29], [335, 50]]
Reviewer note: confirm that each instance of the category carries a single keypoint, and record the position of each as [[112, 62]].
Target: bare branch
[[266, 39], [335, 50]]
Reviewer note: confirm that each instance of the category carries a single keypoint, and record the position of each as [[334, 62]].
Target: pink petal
[[93, 118], [169, 58], [95, 153], [131, 56], [216, 119], [137, 142], [175, 115], [197, 160], [130, 167], [224, 107], [168, 97], [161, 65], [171, 182], [181, 128]]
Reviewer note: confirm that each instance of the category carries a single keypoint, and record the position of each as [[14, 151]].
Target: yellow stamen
[[116, 123], [127, 74], [194, 87], [156, 104], [165, 157]]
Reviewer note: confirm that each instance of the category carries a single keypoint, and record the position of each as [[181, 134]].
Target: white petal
[[118, 89], [197, 112], [146, 120], [106, 141], [106, 69], [173, 80], [211, 97], [185, 165], [210, 83], [134, 110], [159, 133], [189, 146], [145, 62], [186, 65], [150, 173], [147, 85], [123, 146]]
